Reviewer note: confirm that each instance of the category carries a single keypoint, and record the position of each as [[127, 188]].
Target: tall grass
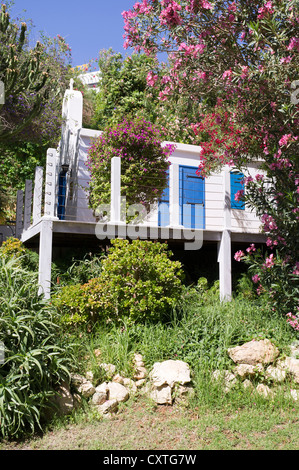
[[200, 332]]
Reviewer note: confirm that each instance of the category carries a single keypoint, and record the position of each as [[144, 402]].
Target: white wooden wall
[[241, 220]]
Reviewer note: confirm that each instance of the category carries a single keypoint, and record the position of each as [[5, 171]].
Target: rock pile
[[169, 381], [259, 360], [257, 365]]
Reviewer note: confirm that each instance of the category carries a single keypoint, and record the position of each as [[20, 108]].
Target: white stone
[[275, 373], [86, 389], [130, 385], [169, 373], [117, 392], [254, 352], [110, 406], [77, 379], [102, 388], [140, 383], [118, 379], [138, 360], [294, 394], [99, 398], [291, 365], [161, 395], [140, 373], [101, 394], [264, 390], [89, 375], [248, 370]]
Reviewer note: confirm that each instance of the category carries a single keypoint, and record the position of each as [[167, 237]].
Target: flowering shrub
[[274, 277], [238, 60], [144, 163]]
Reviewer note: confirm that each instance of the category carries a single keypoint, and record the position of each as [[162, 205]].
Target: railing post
[[50, 185], [115, 215], [27, 204], [19, 213], [37, 195]]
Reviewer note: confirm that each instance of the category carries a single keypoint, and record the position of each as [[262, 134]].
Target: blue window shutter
[[192, 198], [163, 209], [236, 185]]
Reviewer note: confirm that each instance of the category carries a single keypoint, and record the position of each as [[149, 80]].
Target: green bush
[[14, 248], [138, 281], [33, 363]]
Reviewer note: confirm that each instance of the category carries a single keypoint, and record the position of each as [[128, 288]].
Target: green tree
[[124, 91], [35, 80]]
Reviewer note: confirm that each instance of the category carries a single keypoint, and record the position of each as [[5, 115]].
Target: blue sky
[[87, 26]]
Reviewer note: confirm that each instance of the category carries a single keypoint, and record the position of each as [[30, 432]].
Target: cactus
[[21, 71]]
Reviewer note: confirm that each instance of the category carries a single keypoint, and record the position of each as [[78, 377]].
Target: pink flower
[[294, 44], [259, 290], [256, 278], [251, 248], [227, 74], [151, 78], [244, 73], [284, 140], [202, 75], [232, 7], [238, 255], [296, 269], [206, 5], [259, 177], [239, 195], [266, 9], [285, 60], [269, 261], [169, 16]]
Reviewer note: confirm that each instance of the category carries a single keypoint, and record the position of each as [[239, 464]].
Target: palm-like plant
[[33, 364]]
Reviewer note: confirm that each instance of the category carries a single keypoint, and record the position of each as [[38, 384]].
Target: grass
[[199, 332], [142, 426]]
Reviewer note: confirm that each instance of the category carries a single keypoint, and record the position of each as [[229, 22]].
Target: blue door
[[192, 198], [61, 195], [163, 208]]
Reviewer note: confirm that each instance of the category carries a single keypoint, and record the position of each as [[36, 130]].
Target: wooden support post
[[19, 213], [115, 214], [225, 266], [27, 204], [37, 195], [45, 258], [224, 246]]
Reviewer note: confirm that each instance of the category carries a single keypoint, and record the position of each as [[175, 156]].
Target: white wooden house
[[193, 210]]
